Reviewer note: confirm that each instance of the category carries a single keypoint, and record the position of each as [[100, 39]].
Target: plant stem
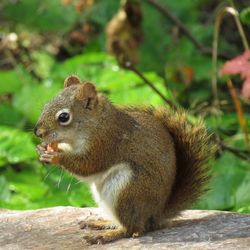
[[239, 110], [131, 67], [167, 13], [219, 17], [239, 153]]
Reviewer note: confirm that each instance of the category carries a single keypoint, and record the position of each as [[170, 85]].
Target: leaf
[[244, 209], [15, 146], [228, 174], [239, 65], [245, 15], [226, 122], [32, 97], [64, 189], [4, 189], [136, 90], [10, 82], [40, 15], [27, 183], [81, 196], [123, 87], [16, 118], [42, 64], [242, 194]]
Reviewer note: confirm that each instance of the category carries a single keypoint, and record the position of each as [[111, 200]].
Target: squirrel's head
[[77, 108]]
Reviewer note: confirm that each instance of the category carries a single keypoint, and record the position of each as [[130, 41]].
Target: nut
[[52, 147]]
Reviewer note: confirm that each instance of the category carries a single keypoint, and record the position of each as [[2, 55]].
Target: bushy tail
[[193, 149]]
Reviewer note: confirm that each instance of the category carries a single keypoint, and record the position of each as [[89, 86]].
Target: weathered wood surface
[[58, 228]]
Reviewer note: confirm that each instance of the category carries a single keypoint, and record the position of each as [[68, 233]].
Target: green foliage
[[31, 98], [228, 187], [164, 57], [37, 186], [40, 15], [245, 15], [110, 78], [16, 118], [9, 77], [16, 146]]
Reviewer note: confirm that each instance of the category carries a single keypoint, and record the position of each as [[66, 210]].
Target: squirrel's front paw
[[47, 156]]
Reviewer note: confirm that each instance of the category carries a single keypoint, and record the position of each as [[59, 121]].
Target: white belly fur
[[107, 186]]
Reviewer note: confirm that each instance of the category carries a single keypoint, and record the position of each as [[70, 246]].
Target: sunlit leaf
[[245, 15], [5, 191], [228, 174], [15, 146], [10, 116], [10, 82], [32, 98]]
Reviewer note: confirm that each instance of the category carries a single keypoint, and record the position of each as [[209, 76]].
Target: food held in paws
[[52, 147]]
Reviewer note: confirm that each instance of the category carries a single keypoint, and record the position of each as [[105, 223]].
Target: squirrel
[[144, 165]]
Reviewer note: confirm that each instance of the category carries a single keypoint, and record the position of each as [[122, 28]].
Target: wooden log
[[58, 228]]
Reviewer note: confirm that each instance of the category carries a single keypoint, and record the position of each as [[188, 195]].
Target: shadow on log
[[58, 228]]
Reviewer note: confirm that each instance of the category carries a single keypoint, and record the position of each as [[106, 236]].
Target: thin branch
[[215, 57], [167, 13], [239, 110], [131, 67], [244, 155]]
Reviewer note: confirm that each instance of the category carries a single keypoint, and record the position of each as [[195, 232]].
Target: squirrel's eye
[[64, 117]]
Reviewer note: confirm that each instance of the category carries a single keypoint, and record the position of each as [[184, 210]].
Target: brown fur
[[193, 150], [166, 154]]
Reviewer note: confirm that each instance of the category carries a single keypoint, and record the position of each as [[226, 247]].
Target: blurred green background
[[42, 42]]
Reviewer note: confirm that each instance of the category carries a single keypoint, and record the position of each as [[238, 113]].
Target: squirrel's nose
[[39, 132]]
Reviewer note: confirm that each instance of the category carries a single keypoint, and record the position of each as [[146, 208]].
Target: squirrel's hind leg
[[97, 225], [106, 236]]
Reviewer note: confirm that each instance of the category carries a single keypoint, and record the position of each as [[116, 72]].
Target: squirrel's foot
[[97, 225], [46, 156], [103, 237]]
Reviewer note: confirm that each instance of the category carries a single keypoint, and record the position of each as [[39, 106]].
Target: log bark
[[58, 228]]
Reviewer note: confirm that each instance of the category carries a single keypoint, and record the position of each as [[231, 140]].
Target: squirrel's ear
[[71, 80], [88, 94]]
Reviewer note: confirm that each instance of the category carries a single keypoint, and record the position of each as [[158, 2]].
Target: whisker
[[70, 183], [48, 173], [60, 179], [76, 183], [29, 127], [29, 132]]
